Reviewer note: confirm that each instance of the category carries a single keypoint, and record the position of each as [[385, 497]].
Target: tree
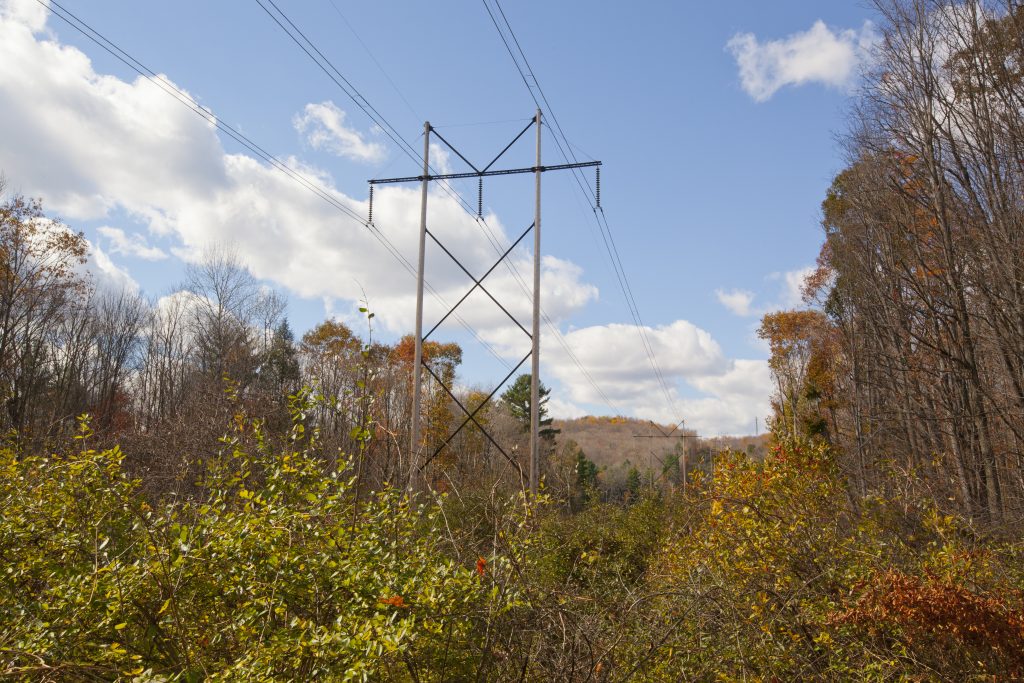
[[41, 287], [920, 272], [518, 399], [586, 476], [118, 321], [633, 483], [802, 361], [233, 317], [282, 365], [670, 469]]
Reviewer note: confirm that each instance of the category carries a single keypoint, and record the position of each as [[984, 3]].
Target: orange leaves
[[931, 607], [405, 350], [481, 566], [449, 354], [393, 601]]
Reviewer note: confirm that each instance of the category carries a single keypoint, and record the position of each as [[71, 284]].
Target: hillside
[[612, 442]]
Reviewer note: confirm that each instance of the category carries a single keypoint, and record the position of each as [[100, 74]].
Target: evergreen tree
[[282, 366], [586, 477], [633, 485], [517, 398], [670, 469]]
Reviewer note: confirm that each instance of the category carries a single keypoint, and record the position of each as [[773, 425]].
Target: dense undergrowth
[[275, 566]]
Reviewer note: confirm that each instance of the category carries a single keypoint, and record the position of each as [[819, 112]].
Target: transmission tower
[[425, 179]]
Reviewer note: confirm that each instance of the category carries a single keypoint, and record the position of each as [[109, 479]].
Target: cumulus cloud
[[793, 286], [29, 13], [140, 152], [107, 276], [735, 399], [817, 55], [734, 391], [323, 127], [131, 245], [739, 301], [789, 294], [616, 358], [564, 410]]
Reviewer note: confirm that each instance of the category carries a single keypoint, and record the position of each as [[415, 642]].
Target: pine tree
[[517, 398], [282, 364]]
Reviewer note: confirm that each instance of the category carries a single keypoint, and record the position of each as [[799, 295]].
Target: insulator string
[[597, 185], [480, 197], [369, 218]]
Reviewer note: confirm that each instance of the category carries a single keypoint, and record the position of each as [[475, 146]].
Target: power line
[[310, 49], [585, 188], [589, 194], [351, 91], [93, 35], [468, 124], [352, 29]]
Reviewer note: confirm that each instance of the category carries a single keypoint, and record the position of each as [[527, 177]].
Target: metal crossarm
[[424, 179], [478, 174]]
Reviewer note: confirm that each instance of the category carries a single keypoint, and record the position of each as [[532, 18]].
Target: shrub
[[276, 570]]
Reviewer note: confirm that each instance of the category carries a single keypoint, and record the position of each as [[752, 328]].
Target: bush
[[277, 566], [275, 571]]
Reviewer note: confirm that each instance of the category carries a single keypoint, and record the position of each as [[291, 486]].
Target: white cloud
[[564, 410], [29, 13], [736, 398], [440, 158], [323, 126], [107, 275], [738, 301], [817, 55], [734, 391], [789, 294], [616, 358], [792, 295], [139, 151], [131, 245]]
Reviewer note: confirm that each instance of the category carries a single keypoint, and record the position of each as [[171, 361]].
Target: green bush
[[275, 570]]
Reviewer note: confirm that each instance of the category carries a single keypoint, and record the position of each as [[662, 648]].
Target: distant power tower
[[668, 435], [534, 335]]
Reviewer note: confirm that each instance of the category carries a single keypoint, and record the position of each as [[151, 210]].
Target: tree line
[[911, 355], [159, 377]]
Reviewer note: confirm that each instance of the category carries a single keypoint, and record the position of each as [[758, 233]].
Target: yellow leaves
[[716, 508]]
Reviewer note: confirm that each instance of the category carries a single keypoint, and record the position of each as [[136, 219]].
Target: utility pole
[[414, 432], [418, 464], [535, 375], [669, 435]]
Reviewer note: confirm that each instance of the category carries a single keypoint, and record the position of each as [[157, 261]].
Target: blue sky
[[716, 124]]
